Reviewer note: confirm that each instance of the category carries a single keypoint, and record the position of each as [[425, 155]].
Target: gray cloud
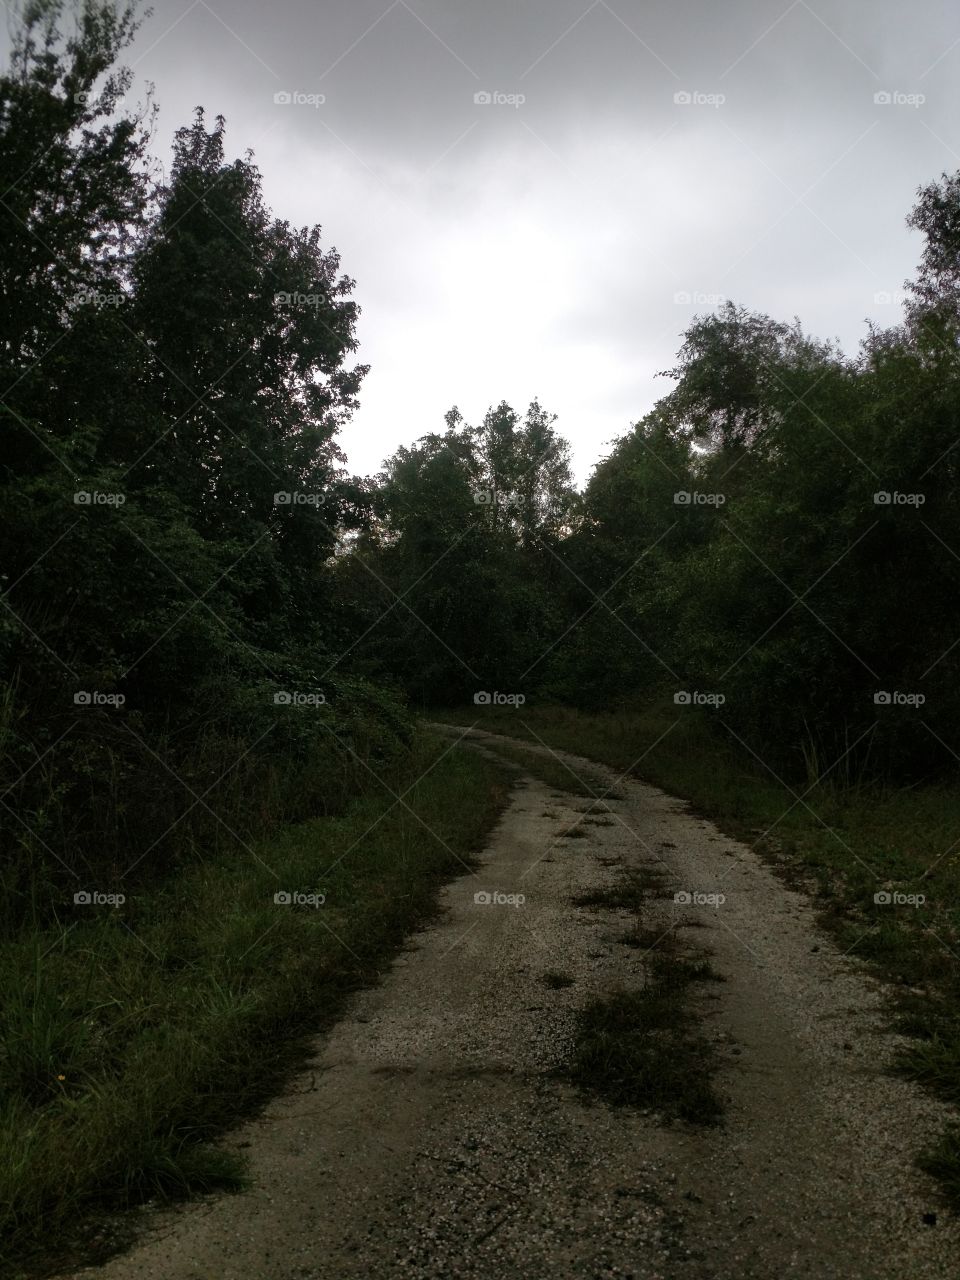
[[559, 247]]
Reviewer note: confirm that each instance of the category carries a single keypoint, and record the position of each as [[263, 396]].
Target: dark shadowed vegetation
[[215, 641]]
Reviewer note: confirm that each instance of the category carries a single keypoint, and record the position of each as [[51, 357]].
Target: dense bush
[[164, 383]]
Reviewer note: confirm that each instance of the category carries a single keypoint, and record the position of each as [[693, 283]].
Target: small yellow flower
[[61, 1077]]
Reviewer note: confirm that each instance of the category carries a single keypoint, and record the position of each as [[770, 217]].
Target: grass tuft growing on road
[[629, 892], [640, 1049], [556, 979]]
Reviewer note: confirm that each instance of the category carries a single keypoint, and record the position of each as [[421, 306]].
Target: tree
[[174, 358], [469, 522]]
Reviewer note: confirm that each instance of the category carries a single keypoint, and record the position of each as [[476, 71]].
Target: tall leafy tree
[[173, 358], [469, 521]]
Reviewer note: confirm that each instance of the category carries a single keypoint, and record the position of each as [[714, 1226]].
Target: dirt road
[[429, 1140]]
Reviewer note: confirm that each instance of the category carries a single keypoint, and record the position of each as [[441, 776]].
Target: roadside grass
[[845, 843], [134, 1035]]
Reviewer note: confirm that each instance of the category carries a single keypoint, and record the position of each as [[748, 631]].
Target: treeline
[[175, 366], [777, 544]]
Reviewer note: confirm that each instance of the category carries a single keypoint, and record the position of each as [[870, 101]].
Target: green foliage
[[780, 534], [176, 364], [466, 581], [129, 1041]]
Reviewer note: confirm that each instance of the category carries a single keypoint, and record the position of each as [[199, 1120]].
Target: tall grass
[[93, 796], [131, 1038]]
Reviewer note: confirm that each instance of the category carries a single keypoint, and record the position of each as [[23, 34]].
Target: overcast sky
[[556, 240]]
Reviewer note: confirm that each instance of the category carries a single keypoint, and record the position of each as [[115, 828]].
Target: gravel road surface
[[427, 1137]]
